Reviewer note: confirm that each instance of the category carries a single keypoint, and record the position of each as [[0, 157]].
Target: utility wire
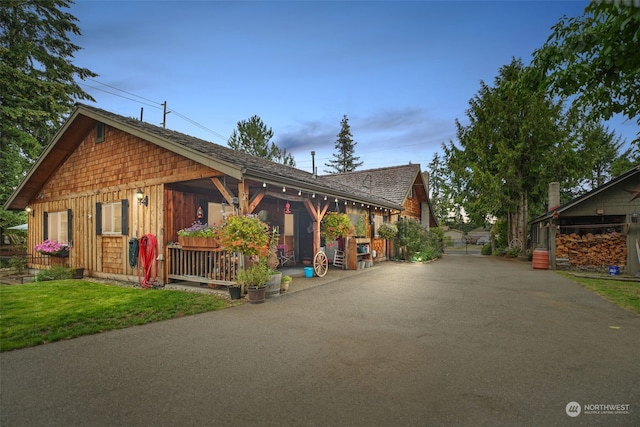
[[116, 94], [153, 104], [128, 93]]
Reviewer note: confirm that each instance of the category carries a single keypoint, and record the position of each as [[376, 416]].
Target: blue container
[[614, 270], [308, 272]]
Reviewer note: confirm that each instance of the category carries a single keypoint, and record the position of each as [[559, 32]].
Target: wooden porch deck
[[210, 266]]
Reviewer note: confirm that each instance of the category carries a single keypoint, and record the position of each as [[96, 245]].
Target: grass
[[39, 313], [625, 294]]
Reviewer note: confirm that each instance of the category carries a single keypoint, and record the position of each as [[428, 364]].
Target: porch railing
[[211, 266]]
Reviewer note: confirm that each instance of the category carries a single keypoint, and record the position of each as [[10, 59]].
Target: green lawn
[[44, 312], [625, 294]]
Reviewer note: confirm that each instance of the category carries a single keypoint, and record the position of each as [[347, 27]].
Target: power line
[[128, 93], [118, 95], [152, 103]]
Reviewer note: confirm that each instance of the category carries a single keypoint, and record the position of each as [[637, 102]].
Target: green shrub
[[512, 252], [415, 242], [55, 273], [486, 249]]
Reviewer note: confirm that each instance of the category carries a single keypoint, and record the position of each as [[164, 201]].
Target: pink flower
[[51, 247]]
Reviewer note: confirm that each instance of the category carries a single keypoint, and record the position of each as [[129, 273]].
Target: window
[[112, 218], [378, 220], [99, 132], [57, 226]]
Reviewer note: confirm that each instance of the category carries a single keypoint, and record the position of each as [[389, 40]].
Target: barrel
[[541, 259]]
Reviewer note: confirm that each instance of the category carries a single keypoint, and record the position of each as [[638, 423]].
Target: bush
[[486, 249], [387, 230], [55, 273], [415, 242]]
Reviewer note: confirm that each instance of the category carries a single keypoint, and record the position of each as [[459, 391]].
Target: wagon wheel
[[320, 264], [516, 243]]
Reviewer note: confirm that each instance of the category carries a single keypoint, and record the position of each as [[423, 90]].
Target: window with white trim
[[112, 218], [58, 226]]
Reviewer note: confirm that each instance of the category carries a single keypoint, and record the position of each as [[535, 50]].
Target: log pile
[[593, 250]]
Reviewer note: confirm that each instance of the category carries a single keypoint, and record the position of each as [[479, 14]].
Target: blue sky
[[402, 72]]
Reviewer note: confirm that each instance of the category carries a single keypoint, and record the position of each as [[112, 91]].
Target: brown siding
[[108, 172], [411, 208]]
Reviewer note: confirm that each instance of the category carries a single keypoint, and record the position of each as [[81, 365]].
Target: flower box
[[64, 253], [53, 248], [197, 242]]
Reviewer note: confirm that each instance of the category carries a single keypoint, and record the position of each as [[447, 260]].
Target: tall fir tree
[[344, 160], [38, 80]]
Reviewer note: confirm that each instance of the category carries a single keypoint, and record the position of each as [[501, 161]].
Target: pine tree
[[38, 83], [344, 160], [252, 136]]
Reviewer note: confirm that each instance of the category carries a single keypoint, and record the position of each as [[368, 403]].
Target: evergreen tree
[[252, 136], [440, 194], [344, 160], [603, 149], [516, 143], [38, 83]]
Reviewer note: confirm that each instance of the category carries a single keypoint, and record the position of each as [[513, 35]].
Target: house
[[403, 185], [106, 181], [596, 231]]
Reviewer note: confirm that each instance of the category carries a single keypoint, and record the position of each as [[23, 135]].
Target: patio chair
[[285, 255]]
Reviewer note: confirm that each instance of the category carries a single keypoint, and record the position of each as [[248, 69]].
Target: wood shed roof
[[633, 194]]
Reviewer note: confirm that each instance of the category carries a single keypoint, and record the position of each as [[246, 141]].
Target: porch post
[[317, 213]]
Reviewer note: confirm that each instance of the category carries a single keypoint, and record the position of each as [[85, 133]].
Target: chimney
[[554, 195], [313, 163]]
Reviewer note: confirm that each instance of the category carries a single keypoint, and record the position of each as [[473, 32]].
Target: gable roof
[[231, 162], [391, 183], [586, 196]]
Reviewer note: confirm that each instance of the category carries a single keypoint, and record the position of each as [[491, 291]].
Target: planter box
[[190, 242]]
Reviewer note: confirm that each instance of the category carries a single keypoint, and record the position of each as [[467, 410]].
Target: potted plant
[[273, 284], [53, 248], [235, 292], [335, 225], [255, 279], [284, 283], [249, 236], [388, 230], [199, 236]]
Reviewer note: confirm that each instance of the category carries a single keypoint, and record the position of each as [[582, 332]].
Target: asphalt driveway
[[466, 340]]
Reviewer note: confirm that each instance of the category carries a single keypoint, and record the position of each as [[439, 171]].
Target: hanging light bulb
[[284, 189], [313, 196], [299, 193], [264, 184]]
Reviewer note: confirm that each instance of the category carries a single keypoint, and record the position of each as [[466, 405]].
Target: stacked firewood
[[595, 250]]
